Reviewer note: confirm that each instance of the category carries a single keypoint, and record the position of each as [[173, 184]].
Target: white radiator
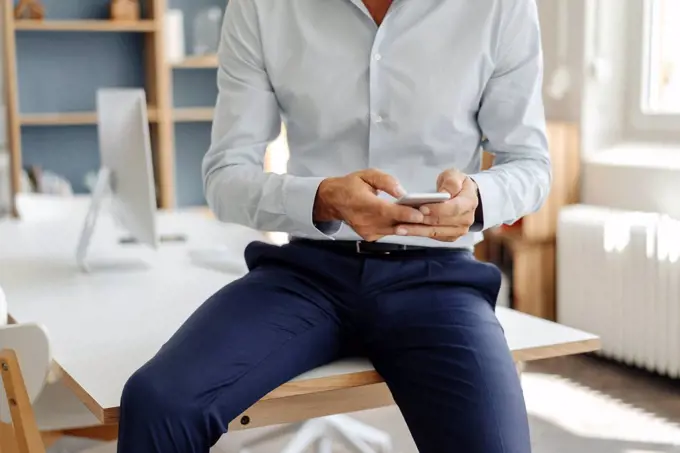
[[618, 276]]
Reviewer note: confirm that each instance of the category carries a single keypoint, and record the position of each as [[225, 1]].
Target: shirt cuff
[[478, 225], [299, 205], [490, 210]]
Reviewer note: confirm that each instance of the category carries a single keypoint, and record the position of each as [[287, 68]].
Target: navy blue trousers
[[426, 321]]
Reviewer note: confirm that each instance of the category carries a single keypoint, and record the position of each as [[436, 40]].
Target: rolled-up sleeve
[[512, 119], [247, 120]]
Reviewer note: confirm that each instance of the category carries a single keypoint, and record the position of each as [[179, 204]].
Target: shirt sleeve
[[247, 120], [512, 118]]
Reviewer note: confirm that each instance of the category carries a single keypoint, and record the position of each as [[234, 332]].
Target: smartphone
[[417, 200]]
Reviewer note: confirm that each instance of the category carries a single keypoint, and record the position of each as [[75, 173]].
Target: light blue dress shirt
[[423, 92]]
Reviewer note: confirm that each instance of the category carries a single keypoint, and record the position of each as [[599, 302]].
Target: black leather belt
[[375, 248]]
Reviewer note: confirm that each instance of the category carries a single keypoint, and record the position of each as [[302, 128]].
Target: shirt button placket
[[375, 117]]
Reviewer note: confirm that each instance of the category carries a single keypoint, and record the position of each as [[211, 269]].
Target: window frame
[[642, 119]]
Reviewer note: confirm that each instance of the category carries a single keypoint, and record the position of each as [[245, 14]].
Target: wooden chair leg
[[8, 442], [26, 434]]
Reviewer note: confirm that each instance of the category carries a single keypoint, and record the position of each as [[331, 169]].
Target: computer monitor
[[125, 178]]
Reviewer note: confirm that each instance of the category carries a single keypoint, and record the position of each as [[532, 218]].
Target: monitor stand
[[103, 190]]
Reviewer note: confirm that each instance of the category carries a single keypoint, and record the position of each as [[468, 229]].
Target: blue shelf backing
[[192, 88], [79, 9], [191, 143], [195, 88], [61, 71], [71, 152]]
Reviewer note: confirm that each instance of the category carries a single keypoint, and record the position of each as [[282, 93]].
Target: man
[[379, 98]]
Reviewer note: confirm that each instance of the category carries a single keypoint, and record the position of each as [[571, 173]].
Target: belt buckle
[[361, 251]]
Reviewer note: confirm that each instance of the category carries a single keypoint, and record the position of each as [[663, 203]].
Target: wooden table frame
[[294, 401]]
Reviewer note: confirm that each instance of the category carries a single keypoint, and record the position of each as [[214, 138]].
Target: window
[[652, 55], [661, 93]]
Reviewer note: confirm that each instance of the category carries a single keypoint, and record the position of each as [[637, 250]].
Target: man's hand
[[452, 219], [353, 199]]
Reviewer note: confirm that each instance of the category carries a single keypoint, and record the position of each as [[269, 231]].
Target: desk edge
[[365, 378]]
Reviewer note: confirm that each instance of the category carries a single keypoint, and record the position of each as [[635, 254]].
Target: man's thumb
[[451, 181]]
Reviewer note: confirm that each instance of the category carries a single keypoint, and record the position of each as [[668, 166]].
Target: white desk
[[105, 325]]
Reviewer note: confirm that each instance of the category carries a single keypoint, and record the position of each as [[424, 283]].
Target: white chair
[[25, 365]]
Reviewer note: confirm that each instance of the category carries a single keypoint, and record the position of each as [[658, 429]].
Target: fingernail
[[402, 231], [417, 218], [400, 191], [425, 210]]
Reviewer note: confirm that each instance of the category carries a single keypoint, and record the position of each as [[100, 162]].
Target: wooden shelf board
[[193, 114], [197, 62], [86, 25], [69, 119]]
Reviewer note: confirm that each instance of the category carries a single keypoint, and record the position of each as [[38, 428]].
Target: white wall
[[3, 109], [569, 107], [598, 105], [604, 100]]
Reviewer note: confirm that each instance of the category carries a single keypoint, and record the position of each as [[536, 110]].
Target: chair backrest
[[31, 345]]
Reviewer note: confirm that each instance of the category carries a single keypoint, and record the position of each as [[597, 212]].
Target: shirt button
[[377, 118], [377, 57]]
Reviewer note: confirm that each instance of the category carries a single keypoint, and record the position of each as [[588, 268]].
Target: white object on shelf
[[175, 47], [207, 28]]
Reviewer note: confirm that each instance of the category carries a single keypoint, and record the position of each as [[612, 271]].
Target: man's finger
[[446, 209], [382, 181], [403, 214], [466, 201], [379, 233]]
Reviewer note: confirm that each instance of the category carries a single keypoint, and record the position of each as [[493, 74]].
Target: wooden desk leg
[[25, 428]]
